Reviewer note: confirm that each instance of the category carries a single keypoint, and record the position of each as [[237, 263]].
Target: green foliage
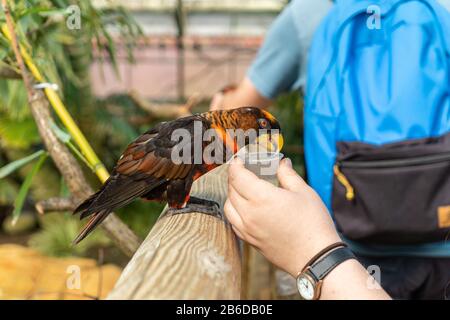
[[58, 231], [64, 56], [64, 53], [110, 128], [109, 123], [66, 138], [8, 191], [13, 100], [13, 166], [18, 134], [21, 196], [141, 215], [25, 223]]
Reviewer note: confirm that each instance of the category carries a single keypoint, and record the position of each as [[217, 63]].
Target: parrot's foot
[[194, 204]]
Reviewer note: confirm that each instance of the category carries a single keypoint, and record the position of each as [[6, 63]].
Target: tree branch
[[169, 111], [124, 238], [55, 204]]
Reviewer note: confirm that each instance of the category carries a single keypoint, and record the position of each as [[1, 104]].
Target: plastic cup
[[262, 164]]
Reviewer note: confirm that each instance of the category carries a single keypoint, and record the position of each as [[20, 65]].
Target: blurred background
[[117, 71]]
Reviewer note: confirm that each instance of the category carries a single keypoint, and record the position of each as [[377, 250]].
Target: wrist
[[305, 250], [349, 281], [333, 284], [312, 276]]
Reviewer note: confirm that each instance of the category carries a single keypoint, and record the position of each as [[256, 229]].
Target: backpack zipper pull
[[349, 191]]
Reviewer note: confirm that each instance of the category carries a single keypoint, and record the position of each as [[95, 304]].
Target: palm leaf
[[20, 200], [64, 137], [13, 166]]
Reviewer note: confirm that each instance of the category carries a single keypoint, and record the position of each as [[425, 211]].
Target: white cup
[[263, 164]]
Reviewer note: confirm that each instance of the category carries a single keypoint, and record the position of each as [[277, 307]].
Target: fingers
[[245, 182], [234, 218], [238, 224], [238, 233], [236, 199], [288, 178], [216, 101], [238, 213]]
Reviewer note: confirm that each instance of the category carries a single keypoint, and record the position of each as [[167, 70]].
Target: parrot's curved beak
[[271, 142]]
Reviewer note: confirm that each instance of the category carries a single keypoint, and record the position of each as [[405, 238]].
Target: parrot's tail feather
[[116, 192], [93, 222], [83, 208]]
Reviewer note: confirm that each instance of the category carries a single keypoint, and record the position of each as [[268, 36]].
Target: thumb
[[288, 178]]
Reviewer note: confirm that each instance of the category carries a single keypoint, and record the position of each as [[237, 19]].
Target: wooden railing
[[187, 256]]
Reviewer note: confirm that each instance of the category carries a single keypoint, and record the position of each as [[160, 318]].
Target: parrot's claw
[[208, 207]]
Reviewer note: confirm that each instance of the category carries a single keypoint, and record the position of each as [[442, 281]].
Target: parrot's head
[[267, 127]]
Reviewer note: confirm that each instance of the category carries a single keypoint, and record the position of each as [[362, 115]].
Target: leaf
[[64, 191], [64, 137], [43, 11], [13, 166], [14, 99], [20, 200], [60, 134]]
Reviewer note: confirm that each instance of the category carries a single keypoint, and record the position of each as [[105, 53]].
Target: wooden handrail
[[186, 256]]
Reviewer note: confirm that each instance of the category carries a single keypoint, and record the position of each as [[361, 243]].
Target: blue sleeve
[[276, 68]]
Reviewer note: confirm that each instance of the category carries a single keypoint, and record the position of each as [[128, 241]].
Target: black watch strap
[[320, 268]]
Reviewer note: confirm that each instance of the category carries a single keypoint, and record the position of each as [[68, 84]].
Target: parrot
[[147, 169]]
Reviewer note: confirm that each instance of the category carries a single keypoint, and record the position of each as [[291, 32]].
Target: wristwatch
[[309, 280]]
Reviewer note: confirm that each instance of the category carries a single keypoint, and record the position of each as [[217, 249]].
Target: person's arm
[[276, 68], [289, 225], [245, 94]]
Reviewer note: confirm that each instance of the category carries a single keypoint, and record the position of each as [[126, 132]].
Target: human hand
[[289, 225], [216, 101]]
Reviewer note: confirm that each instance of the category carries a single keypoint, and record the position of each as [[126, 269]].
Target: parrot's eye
[[263, 123]]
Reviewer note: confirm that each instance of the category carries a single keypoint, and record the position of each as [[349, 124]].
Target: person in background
[[291, 238]]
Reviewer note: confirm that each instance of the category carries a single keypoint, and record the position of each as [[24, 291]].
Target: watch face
[[305, 288]]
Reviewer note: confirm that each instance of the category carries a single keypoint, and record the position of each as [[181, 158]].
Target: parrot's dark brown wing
[[145, 165]]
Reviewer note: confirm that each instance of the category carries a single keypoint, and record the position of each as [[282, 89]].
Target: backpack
[[377, 119]]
